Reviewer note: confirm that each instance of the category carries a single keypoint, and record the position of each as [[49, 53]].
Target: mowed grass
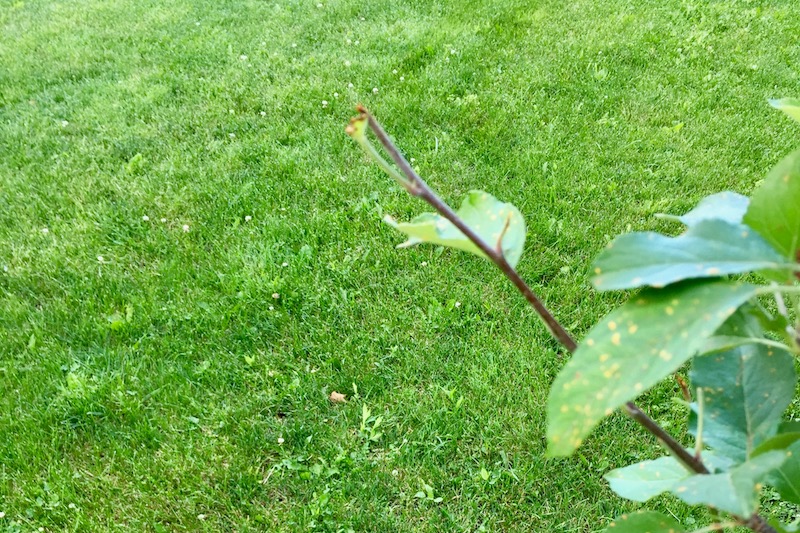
[[192, 258]]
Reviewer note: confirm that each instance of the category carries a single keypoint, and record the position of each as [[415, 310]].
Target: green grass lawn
[[192, 257]]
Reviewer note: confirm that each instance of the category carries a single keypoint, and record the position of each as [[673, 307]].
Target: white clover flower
[[402, 78], [186, 228], [72, 506], [2, 514], [275, 295], [319, 5], [347, 63], [350, 85], [357, 41], [145, 218], [243, 57], [374, 90], [271, 307], [336, 95], [284, 264], [248, 218], [424, 263], [232, 135], [45, 231], [64, 123], [100, 259], [294, 45], [394, 71], [458, 304], [280, 440], [348, 41], [163, 219], [324, 103], [230, 111], [263, 113], [201, 517]]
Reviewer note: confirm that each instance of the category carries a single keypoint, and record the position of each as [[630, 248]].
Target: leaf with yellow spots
[[728, 206], [774, 210], [486, 215], [712, 248], [639, 521], [658, 331], [790, 106], [745, 392], [735, 491]]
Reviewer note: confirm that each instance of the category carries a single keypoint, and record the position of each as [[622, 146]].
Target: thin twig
[[423, 191], [679, 452]]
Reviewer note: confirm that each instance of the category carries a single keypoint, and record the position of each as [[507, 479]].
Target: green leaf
[[789, 426], [482, 212], [640, 521], [727, 206], [735, 491], [745, 391], [786, 478], [781, 441], [774, 211], [790, 106], [642, 481], [711, 248], [746, 326], [631, 350]]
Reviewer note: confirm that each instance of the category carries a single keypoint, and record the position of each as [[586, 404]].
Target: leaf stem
[[417, 187], [698, 440], [778, 289]]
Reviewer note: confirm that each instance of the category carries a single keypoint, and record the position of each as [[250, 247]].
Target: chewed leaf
[[790, 106], [711, 248], [649, 521], [631, 350], [485, 214], [728, 206]]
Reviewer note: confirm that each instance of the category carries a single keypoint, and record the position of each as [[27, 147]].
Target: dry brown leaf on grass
[[337, 397]]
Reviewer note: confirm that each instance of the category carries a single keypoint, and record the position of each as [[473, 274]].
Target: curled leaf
[[490, 218]]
